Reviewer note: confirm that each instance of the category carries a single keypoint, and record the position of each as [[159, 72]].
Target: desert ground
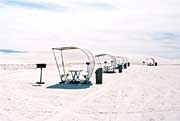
[[140, 93]]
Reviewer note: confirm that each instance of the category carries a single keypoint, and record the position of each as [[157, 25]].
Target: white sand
[[140, 93]]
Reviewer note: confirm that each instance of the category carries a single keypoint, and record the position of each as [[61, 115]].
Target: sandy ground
[[140, 93]]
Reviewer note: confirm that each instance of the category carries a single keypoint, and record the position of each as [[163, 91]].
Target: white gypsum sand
[[140, 93]]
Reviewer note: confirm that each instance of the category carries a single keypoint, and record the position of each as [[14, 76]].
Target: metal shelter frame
[[150, 64], [119, 59], [88, 54], [113, 62]]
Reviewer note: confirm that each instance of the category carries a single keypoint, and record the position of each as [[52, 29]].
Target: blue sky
[[139, 26], [98, 5], [52, 6], [166, 36], [32, 5]]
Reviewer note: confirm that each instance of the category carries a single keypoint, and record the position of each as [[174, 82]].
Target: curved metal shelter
[[79, 72], [109, 65], [120, 60], [125, 59], [150, 61]]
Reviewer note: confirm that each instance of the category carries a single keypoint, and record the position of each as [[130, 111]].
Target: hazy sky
[[107, 26]]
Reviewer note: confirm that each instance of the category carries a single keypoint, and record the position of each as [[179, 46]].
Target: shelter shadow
[[69, 86]]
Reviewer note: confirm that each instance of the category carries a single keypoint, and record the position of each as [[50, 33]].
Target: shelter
[[74, 65], [120, 61], [107, 62], [151, 62]]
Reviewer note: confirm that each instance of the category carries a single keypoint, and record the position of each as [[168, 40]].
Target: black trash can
[[155, 63], [120, 68], [125, 66], [128, 64], [99, 76]]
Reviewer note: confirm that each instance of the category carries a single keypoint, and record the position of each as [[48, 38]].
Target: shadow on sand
[[69, 86], [109, 72]]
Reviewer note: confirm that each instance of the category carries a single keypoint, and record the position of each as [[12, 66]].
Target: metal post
[[41, 66], [57, 65], [62, 62], [40, 77]]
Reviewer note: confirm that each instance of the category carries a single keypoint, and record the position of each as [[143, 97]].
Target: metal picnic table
[[75, 73]]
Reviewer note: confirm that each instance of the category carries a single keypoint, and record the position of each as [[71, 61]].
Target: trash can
[[155, 63], [99, 76], [125, 66], [120, 68], [128, 64]]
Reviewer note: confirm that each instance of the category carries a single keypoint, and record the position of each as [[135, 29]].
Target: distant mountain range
[[10, 51]]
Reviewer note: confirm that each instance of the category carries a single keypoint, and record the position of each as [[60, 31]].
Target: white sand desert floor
[[140, 93]]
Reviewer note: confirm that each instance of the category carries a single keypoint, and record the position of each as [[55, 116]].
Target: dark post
[[120, 68], [40, 66], [125, 66], [128, 64], [99, 76], [155, 63]]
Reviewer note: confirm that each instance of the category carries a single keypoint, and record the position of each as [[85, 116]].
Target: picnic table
[[75, 73]]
